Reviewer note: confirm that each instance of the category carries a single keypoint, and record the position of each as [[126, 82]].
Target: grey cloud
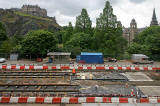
[[137, 1], [67, 10], [65, 7]]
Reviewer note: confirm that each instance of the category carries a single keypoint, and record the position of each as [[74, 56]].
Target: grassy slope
[[27, 15]]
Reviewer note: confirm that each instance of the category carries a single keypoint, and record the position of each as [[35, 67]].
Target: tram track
[[39, 88]]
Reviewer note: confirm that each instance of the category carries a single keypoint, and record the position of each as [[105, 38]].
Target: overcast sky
[[67, 10]]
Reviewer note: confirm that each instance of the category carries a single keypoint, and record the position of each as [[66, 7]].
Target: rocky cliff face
[[18, 23]]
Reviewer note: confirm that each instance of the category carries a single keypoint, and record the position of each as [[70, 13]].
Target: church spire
[[154, 19]]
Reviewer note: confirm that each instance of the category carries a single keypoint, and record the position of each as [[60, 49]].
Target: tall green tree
[[39, 42], [107, 18], [108, 33], [83, 22]]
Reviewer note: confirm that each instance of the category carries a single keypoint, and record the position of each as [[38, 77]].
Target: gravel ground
[[27, 62]]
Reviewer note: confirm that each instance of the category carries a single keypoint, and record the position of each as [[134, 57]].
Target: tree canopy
[[107, 18], [3, 34], [39, 42], [108, 33], [147, 42], [83, 22]]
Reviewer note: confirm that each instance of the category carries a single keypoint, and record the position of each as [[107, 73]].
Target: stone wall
[[34, 10]]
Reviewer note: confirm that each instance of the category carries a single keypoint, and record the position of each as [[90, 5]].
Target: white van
[[140, 59]]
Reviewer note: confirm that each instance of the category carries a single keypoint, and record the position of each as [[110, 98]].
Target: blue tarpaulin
[[92, 58]]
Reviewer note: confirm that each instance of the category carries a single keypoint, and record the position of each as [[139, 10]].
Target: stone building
[[130, 33], [34, 10]]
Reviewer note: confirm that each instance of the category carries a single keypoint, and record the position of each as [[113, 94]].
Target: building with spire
[[154, 19], [130, 33]]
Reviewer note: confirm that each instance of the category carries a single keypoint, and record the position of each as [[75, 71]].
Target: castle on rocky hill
[[34, 10], [130, 33]]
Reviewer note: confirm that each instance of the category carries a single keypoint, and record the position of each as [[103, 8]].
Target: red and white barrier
[[76, 100], [77, 67]]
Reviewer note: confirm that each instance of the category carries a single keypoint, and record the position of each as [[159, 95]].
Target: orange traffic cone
[[73, 71]]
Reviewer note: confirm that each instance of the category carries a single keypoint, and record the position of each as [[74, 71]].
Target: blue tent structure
[[91, 58]]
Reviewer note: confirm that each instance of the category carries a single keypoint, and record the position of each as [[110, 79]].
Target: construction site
[[68, 84]]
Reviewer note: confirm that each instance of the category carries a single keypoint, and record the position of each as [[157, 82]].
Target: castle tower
[[154, 19], [133, 30]]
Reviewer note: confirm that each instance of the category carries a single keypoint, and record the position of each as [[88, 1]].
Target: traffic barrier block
[[153, 100], [107, 100], [115, 100], [5, 99], [22, 99], [115, 68], [128, 68], [22, 67], [39, 100], [48, 100], [13, 67], [146, 68], [123, 100], [54, 67], [111, 68], [56, 100], [89, 68], [31, 100], [158, 68], [154, 68], [80, 68], [31, 67], [90, 100], [150, 68], [98, 100], [65, 100], [13, 100], [100, 68], [73, 100], [4, 67], [82, 100], [123, 68], [144, 100], [45, 67], [119, 68], [137, 68], [65, 67]]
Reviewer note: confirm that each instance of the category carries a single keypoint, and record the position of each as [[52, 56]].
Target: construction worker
[[73, 71]]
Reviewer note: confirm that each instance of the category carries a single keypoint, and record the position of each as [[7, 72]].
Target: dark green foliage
[[108, 35], [147, 42], [7, 46], [3, 34], [80, 40], [107, 19], [39, 42], [67, 33], [110, 42], [83, 22]]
